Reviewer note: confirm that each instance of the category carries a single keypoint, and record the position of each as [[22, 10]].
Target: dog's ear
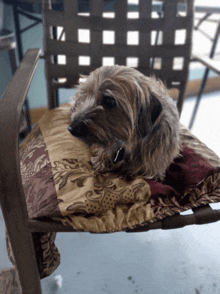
[[148, 116]]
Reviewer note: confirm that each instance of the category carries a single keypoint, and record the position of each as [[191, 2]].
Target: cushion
[[59, 181]]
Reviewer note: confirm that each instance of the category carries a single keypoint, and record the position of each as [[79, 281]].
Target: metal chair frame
[[12, 198]]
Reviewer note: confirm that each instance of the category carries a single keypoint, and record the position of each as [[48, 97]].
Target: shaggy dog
[[128, 120]]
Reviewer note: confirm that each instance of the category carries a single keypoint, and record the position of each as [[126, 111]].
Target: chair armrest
[[12, 197], [208, 62]]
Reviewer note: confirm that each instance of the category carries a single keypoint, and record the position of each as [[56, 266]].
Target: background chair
[[165, 59], [8, 43], [209, 62]]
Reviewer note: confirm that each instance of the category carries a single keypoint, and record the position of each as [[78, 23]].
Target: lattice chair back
[[156, 40]]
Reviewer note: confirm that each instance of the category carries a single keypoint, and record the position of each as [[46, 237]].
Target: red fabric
[[187, 171]]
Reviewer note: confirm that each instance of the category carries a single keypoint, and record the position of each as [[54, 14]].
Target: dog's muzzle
[[78, 129]]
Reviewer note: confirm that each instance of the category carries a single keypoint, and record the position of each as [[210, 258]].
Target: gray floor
[[182, 261]]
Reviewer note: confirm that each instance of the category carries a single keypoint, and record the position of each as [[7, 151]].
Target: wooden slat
[[96, 7], [201, 215], [145, 10], [190, 23], [121, 22], [213, 84], [71, 21], [49, 226], [170, 18], [97, 22], [72, 49], [71, 29], [120, 51], [96, 10], [61, 71], [54, 18], [205, 214], [48, 35], [70, 9]]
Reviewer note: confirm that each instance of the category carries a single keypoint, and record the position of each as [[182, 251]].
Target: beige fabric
[[79, 189], [9, 281], [105, 203], [200, 148]]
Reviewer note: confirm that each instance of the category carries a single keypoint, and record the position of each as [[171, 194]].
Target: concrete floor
[[182, 261]]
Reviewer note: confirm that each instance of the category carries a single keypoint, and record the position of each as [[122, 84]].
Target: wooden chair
[[149, 59]]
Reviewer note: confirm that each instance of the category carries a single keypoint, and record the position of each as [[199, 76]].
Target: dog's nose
[[78, 130]]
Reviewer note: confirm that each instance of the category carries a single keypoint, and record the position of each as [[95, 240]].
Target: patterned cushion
[[60, 182]]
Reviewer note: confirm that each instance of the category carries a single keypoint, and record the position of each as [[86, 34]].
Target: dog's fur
[[128, 120]]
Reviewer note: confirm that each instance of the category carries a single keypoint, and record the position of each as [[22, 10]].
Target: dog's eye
[[108, 102]]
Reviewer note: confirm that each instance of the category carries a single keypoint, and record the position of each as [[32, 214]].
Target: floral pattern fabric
[[59, 181], [37, 177]]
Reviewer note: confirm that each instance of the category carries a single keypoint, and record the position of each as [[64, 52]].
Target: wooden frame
[[12, 197]]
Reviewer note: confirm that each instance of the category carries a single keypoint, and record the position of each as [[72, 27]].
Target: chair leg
[[24, 255]]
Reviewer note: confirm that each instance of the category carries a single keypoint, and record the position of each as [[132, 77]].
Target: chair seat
[[59, 181]]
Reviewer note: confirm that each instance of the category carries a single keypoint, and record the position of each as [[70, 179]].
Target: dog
[[128, 120]]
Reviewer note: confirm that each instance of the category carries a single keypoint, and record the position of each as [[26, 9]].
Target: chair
[[8, 43], [208, 62], [147, 57], [168, 61]]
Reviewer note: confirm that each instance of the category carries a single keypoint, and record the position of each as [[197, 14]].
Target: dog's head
[[125, 117]]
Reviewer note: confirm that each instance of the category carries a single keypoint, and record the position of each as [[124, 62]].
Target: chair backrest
[[156, 40]]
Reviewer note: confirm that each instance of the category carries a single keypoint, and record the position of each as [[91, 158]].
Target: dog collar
[[120, 153]]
